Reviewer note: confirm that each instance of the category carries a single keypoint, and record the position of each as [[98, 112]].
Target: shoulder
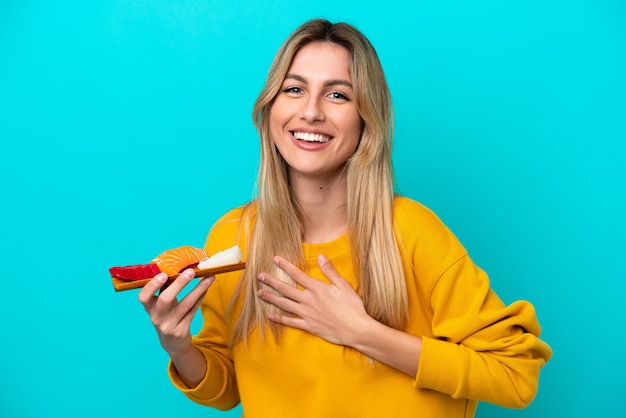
[[232, 216], [407, 207], [423, 234], [409, 213], [232, 228]]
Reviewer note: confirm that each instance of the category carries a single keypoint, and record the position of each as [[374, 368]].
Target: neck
[[323, 202]]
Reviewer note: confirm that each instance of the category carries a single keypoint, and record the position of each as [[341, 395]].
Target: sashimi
[[177, 259], [135, 271], [228, 256]]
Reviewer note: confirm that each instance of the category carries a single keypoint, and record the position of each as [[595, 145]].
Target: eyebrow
[[329, 83]]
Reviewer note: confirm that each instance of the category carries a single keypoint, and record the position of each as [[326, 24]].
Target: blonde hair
[[275, 216]]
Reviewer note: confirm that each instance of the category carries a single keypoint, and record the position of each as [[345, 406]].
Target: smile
[[310, 137]]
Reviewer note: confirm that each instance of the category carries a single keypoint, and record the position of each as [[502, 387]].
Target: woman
[[355, 301]]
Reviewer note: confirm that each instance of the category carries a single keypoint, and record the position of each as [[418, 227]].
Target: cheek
[[273, 130], [354, 128], [276, 125], [276, 120]]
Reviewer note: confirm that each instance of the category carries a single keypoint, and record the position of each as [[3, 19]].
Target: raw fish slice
[[231, 255], [135, 272], [177, 259]]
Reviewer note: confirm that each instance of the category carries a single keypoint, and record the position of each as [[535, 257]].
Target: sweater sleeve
[[481, 349], [218, 389]]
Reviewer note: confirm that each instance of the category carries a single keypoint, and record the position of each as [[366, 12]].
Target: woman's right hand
[[170, 317]]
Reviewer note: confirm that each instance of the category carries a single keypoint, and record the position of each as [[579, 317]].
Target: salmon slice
[[177, 259]]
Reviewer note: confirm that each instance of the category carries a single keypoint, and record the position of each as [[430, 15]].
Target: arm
[[481, 349], [172, 320], [200, 366], [336, 313], [486, 350], [395, 348]]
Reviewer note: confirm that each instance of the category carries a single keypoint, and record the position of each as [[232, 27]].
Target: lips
[[311, 137]]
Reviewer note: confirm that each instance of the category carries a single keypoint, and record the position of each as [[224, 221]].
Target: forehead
[[322, 60]]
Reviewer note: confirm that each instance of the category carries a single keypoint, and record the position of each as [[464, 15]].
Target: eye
[[292, 90], [336, 95]]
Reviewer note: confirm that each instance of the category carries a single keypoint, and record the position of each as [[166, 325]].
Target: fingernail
[[322, 259], [161, 277], [188, 274], [262, 277]]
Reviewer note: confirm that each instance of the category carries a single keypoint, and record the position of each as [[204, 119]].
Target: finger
[[193, 299], [287, 320], [165, 286], [168, 294], [281, 287], [281, 302], [294, 272], [196, 296], [146, 295], [329, 270]]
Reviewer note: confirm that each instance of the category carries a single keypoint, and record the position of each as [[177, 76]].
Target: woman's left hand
[[333, 311]]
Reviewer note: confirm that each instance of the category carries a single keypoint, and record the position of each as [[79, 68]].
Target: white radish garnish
[[230, 255]]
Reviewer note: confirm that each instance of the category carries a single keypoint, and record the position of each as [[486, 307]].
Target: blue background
[[125, 130]]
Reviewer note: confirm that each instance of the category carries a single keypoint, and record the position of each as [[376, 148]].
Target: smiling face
[[314, 121]]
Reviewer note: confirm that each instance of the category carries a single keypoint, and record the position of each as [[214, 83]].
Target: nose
[[312, 109]]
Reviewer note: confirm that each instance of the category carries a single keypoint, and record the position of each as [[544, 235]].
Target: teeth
[[305, 136]]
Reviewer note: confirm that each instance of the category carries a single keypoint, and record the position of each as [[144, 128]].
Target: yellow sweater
[[474, 347]]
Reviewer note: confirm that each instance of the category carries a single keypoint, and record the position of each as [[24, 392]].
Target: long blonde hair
[[275, 217]]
